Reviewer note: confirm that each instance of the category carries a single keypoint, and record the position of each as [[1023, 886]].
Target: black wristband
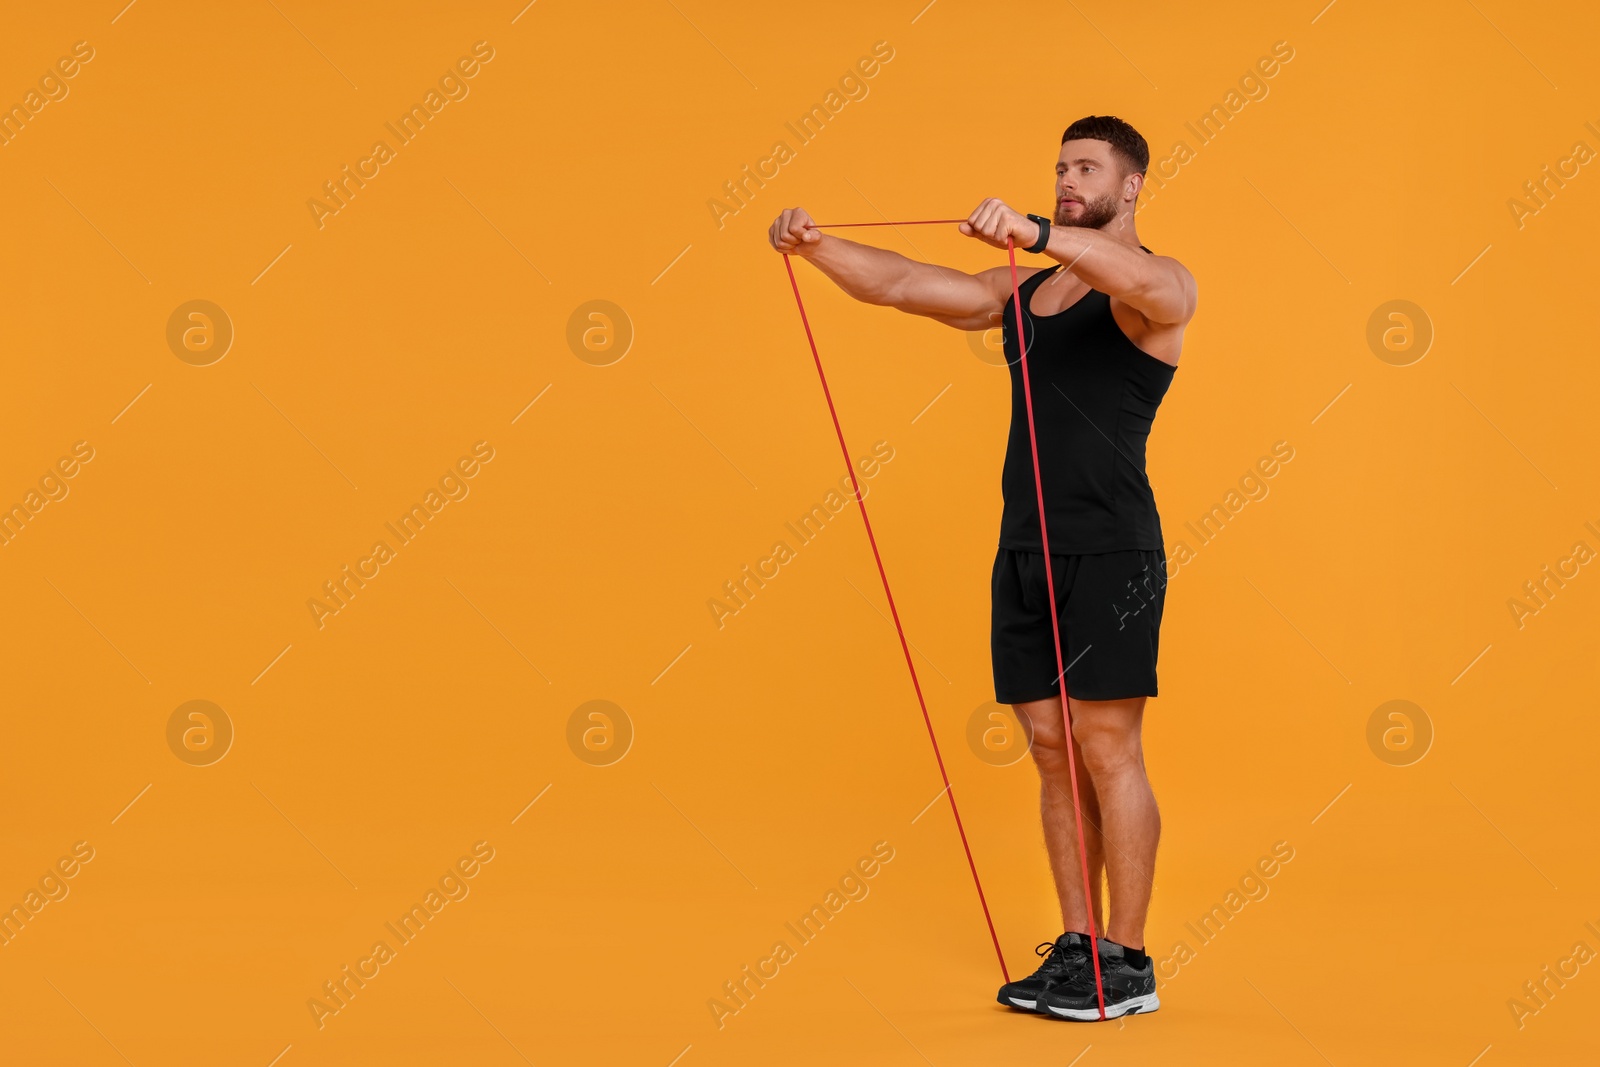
[[1044, 234]]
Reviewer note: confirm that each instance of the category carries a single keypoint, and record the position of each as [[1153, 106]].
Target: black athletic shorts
[[1109, 606]]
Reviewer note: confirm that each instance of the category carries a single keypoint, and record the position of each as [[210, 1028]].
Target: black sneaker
[[1063, 958], [1128, 989]]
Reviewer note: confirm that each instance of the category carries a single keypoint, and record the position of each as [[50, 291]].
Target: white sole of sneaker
[[1132, 1006], [1031, 1005]]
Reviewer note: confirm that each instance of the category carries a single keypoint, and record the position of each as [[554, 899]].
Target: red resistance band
[[1055, 626]]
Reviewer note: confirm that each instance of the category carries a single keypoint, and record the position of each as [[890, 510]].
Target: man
[[1104, 326]]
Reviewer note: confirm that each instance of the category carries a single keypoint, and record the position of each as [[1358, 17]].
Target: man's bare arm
[[879, 276], [1158, 287]]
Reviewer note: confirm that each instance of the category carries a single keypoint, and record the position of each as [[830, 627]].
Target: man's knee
[[1106, 743], [1050, 754], [1047, 735]]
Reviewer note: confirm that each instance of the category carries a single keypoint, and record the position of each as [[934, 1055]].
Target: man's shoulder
[[1172, 263]]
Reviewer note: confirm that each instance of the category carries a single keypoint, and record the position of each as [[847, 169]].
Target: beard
[[1096, 213]]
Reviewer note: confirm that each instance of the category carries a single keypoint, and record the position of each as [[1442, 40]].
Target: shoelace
[[1058, 964]]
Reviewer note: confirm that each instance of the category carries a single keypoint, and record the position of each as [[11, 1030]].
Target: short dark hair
[[1126, 142]]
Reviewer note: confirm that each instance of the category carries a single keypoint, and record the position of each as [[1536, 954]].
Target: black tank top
[[1095, 395]]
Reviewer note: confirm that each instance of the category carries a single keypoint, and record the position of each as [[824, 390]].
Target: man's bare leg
[[1043, 718], [1121, 824]]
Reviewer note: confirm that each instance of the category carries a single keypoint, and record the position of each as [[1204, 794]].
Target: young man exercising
[[1104, 326]]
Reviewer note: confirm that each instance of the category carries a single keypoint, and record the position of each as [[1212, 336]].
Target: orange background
[[768, 755]]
